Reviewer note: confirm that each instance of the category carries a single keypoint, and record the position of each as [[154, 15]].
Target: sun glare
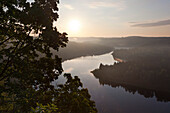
[[74, 25]]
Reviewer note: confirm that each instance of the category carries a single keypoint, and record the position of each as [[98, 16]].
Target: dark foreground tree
[[27, 66]]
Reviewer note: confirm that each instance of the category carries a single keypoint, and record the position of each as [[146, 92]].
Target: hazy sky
[[112, 18]]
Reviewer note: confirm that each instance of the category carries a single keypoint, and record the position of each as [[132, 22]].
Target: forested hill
[[74, 50], [95, 46], [146, 70], [135, 41]]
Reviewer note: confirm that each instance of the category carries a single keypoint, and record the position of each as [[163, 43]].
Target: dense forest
[[145, 70]]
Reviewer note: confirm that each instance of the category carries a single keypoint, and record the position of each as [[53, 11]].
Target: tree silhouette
[[27, 65]]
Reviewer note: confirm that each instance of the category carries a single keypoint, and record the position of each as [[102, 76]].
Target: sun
[[74, 25]]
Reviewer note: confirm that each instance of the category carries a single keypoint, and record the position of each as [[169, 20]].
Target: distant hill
[[75, 49], [78, 47], [136, 41]]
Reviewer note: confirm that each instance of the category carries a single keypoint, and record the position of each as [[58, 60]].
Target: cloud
[[132, 22], [153, 24], [68, 6], [118, 5]]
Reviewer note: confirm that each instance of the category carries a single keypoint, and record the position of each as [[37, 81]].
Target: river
[[107, 98]]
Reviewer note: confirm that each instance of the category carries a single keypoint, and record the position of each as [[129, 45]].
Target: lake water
[[107, 98]]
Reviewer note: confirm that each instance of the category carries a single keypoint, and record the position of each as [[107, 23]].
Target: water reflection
[[146, 86], [107, 98]]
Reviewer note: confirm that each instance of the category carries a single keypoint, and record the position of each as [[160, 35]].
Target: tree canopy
[[27, 65]]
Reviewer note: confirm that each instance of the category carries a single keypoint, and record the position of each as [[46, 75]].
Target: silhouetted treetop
[[27, 68]]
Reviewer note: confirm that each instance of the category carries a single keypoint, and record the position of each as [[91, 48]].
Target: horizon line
[[118, 36]]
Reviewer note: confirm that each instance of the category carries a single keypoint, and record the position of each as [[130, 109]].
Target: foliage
[[45, 108], [70, 98], [27, 65]]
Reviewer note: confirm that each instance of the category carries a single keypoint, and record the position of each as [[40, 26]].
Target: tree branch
[[4, 41], [8, 60]]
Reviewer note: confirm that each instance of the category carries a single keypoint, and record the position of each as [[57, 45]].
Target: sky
[[114, 18]]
